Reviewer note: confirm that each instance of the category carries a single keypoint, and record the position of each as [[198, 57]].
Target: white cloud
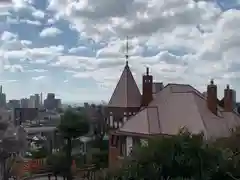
[[38, 70], [27, 21], [8, 81], [8, 36], [26, 42], [37, 78], [184, 40], [4, 8], [44, 54], [181, 40], [134, 17], [50, 32], [38, 14], [14, 68], [78, 49]]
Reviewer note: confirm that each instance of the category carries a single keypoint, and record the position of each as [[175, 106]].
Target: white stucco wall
[[129, 144]]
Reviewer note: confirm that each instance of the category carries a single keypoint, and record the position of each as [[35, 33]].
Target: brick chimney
[[147, 88], [229, 99], [212, 100]]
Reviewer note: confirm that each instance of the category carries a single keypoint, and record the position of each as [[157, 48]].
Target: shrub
[[185, 156]]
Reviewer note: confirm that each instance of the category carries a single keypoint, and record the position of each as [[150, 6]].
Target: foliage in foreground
[[38, 154], [73, 124], [185, 156], [58, 163]]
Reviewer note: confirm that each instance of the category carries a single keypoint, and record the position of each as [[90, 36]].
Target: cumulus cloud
[[38, 14], [38, 70], [78, 49], [50, 32], [182, 41], [35, 54], [7, 36], [134, 17], [37, 78], [14, 68]]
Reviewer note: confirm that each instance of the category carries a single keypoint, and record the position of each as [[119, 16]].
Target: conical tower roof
[[126, 93]]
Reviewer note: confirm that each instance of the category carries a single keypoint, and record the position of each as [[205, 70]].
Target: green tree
[[73, 124], [58, 164], [184, 156]]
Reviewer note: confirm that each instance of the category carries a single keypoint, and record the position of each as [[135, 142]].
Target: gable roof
[[126, 93], [178, 106]]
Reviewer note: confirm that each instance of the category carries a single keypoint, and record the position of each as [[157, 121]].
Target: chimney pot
[[212, 97], [229, 99], [147, 70], [212, 82], [147, 90]]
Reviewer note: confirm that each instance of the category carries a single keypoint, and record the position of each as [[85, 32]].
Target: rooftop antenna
[[127, 48]]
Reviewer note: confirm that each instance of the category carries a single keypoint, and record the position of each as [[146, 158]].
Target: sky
[[75, 48]]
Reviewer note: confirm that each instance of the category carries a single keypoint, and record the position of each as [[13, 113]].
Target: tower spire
[[127, 48]]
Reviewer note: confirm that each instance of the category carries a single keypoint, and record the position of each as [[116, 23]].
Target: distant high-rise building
[[50, 96], [24, 103], [34, 101], [31, 102], [2, 98], [14, 103], [37, 100], [41, 99], [58, 103], [51, 103]]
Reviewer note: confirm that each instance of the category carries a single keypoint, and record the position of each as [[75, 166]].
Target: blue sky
[[76, 48]]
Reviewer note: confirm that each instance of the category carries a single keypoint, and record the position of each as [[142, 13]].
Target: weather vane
[[127, 47]]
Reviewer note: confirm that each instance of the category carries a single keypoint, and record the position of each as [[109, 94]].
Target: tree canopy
[[185, 156], [73, 124]]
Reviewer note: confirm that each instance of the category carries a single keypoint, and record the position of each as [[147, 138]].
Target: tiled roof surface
[[178, 106], [126, 93]]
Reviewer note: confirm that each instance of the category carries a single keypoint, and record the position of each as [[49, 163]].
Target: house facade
[[134, 117]]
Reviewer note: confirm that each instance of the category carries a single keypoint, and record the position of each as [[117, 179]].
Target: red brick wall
[[114, 152], [147, 83], [229, 99], [212, 97]]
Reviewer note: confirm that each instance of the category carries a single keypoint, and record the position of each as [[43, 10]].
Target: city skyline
[[76, 49], [44, 96]]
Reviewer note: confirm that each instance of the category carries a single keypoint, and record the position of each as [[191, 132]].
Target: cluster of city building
[[34, 101]]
